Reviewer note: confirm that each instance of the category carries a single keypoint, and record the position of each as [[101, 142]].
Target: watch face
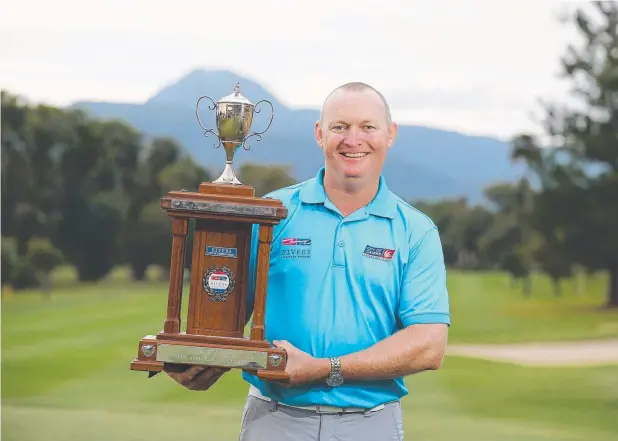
[[334, 380]]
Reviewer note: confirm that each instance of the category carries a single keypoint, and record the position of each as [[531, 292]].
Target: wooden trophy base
[[260, 359], [224, 216]]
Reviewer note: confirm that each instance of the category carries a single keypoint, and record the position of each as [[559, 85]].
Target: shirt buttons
[[340, 243]]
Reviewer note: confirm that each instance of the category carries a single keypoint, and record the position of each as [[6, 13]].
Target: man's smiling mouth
[[354, 155]]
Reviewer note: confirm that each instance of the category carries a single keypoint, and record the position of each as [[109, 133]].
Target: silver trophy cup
[[234, 115]]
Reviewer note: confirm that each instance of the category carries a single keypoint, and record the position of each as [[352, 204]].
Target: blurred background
[[508, 116]]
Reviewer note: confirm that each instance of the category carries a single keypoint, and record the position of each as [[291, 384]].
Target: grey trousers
[[264, 421]]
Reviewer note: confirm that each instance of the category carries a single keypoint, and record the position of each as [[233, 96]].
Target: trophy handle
[[197, 114], [259, 134]]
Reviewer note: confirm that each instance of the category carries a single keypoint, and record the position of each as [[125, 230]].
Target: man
[[357, 290]]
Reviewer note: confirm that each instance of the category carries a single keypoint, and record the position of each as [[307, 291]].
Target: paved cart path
[[579, 353]]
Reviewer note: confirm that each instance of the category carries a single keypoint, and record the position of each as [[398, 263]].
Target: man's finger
[[191, 373], [204, 380], [185, 376], [175, 367], [206, 374], [283, 344]]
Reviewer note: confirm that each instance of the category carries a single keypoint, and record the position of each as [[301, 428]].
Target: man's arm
[[419, 346], [424, 312], [414, 349]]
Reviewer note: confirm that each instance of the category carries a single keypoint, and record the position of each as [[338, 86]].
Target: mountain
[[424, 163]]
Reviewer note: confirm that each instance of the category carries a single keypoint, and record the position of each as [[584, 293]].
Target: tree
[[44, 258], [98, 166], [446, 214], [510, 240], [265, 178], [9, 261], [148, 234], [578, 172]]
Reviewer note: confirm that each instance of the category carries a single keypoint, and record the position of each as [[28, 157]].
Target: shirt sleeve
[[424, 294]]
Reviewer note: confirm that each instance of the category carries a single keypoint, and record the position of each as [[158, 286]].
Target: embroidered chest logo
[[295, 248], [378, 253]]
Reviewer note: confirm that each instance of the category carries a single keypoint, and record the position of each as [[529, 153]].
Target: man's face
[[354, 134]]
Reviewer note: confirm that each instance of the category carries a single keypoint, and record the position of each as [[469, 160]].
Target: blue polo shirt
[[341, 284]]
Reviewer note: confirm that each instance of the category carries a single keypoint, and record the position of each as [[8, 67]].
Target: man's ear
[[318, 134], [392, 134]]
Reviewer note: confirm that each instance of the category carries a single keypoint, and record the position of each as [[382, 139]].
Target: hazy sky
[[470, 65]]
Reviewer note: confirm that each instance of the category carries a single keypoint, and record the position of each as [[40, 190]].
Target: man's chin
[[353, 172], [360, 170]]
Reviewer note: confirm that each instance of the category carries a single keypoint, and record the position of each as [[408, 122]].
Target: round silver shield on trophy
[[234, 117]]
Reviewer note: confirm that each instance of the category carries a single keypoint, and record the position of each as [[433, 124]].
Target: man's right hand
[[194, 377]]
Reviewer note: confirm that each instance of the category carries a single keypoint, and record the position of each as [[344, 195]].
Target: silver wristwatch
[[335, 378]]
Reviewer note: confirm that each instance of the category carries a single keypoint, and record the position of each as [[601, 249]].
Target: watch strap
[[335, 366], [335, 378]]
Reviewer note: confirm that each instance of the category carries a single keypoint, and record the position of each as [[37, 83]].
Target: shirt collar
[[312, 192], [384, 204]]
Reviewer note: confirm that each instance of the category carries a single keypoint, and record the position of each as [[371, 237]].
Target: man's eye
[[369, 127], [339, 127]]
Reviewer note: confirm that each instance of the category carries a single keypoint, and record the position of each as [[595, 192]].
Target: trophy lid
[[235, 97]]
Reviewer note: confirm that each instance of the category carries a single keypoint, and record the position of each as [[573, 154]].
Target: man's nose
[[354, 136]]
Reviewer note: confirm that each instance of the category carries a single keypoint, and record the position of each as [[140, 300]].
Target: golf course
[[65, 368]]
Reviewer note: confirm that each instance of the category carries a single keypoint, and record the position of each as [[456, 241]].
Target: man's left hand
[[302, 367]]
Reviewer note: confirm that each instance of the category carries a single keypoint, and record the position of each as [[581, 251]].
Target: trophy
[[224, 211]]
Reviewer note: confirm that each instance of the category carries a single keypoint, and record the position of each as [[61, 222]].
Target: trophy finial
[[237, 88]]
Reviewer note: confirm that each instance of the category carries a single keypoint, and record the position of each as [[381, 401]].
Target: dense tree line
[[85, 192], [564, 214], [498, 235], [575, 211]]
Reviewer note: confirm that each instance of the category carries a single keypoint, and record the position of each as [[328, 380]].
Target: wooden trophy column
[[180, 228], [224, 216]]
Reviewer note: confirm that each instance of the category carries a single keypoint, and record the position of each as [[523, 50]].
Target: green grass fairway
[[485, 308], [66, 377]]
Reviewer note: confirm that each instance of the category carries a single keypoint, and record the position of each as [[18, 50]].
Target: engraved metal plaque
[[233, 358], [222, 208]]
